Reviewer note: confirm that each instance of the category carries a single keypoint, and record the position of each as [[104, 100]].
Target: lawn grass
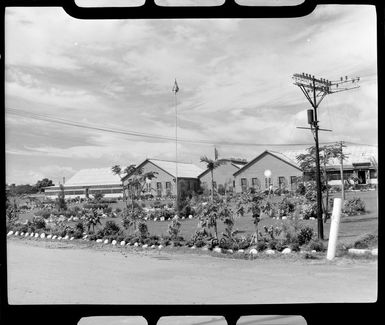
[[351, 227]]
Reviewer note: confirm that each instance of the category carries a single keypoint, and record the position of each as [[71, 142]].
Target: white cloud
[[234, 78]]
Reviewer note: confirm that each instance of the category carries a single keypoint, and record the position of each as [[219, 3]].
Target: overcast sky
[[234, 78]]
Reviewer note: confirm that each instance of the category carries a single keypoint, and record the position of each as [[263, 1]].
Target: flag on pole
[[175, 89], [215, 153]]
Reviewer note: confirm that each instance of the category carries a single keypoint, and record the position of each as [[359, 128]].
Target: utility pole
[[342, 174], [313, 89]]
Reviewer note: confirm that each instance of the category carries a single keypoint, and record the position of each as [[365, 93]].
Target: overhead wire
[[50, 118]]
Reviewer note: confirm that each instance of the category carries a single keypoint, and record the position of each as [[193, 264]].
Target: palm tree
[[117, 170], [211, 165]]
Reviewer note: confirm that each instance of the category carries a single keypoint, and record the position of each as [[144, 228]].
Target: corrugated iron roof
[[285, 157], [94, 176], [185, 170], [356, 154]]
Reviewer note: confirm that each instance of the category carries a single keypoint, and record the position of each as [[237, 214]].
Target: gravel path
[[65, 273]]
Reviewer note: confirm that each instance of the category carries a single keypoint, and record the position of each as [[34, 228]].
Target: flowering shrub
[[366, 241], [45, 213], [152, 240], [285, 206], [38, 223], [309, 210], [317, 245], [261, 246], [95, 206], [212, 212], [311, 192], [142, 230], [174, 228], [271, 233], [200, 238], [354, 206], [305, 235], [110, 228]]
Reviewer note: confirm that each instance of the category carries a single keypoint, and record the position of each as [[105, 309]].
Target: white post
[[335, 222]]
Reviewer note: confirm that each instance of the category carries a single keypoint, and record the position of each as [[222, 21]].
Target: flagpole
[[176, 146]]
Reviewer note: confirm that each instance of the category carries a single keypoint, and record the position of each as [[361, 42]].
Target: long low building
[[87, 182], [238, 176], [360, 162]]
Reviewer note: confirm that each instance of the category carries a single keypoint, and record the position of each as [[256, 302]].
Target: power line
[[50, 118]]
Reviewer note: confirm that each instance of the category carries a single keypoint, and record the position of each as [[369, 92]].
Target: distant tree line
[[25, 189]]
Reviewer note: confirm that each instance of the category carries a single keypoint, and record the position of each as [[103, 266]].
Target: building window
[[268, 182], [373, 173], [256, 183], [159, 188], [168, 188], [281, 182], [244, 184]]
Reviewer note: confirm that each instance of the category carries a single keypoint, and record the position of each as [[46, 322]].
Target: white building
[[87, 182]]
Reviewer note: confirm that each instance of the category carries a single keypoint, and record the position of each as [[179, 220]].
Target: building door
[[361, 177]]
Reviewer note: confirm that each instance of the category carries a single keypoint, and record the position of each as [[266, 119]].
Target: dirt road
[[68, 274]]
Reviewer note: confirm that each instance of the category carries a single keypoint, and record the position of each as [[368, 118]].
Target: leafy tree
[[12, 212], [256, 203], [174, 228], [210, 213], [45, 182], [24, 189], [136, 184], [131, 217], [60, 201], [117, 170], [307, 163], [92, 220], [211, 165]]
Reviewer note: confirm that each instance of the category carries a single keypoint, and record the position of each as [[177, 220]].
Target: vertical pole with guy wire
[[175, 89], [312, 88], [342, 174]]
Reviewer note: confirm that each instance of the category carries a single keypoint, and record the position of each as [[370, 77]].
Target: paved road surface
[[69, 275]]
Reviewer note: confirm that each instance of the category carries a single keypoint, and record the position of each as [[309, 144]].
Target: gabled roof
[[237, 164], [185, 170], [275, 154], [94, 176]]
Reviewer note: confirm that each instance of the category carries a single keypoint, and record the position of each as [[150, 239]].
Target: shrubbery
[[109, 229], [317, 245], [366, 241], [95, 206], [45, 213], [285, 206], [305, 235], [38, 223], [354, 206]]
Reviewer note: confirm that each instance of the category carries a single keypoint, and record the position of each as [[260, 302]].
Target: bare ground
[[42, 272]]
